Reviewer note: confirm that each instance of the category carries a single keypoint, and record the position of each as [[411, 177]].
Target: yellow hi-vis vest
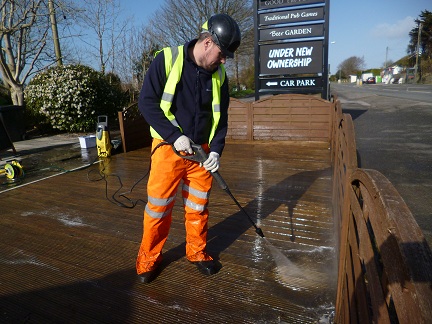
[[173, 66]]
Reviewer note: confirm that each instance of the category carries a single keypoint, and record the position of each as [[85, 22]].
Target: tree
[[247, 74], [24, 30], [136, 51], [425, 44], [177, 22], [4, 94], [100, 16], [351, 66], [420, 45]]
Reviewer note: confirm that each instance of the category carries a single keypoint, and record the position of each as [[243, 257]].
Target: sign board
[[291, 58], [271, 4], [291, 16], [282, 33], [291, 46], [282, 84]]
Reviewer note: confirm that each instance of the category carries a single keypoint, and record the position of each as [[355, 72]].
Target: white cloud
[[396, 29]]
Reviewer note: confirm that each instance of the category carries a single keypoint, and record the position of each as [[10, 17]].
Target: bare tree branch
[[101, 17], [177, 22]]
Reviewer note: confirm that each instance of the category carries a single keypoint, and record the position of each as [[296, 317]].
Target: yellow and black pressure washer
[[103, 139]]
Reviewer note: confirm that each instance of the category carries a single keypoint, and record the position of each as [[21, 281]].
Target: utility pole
[[418, 50], [385, 63], [55, 33]]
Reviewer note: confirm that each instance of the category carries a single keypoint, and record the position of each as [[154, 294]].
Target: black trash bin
[[13, 120]]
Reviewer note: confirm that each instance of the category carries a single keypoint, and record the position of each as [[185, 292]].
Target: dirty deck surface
[[67, 254]]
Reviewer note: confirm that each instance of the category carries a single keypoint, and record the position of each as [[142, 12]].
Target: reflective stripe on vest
[[174, 57]]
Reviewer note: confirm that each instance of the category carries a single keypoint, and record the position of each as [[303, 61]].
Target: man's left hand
[[212, 162]]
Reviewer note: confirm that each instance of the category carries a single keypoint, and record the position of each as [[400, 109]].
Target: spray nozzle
[[259, 231]]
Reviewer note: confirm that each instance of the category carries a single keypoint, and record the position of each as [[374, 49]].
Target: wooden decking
[[67, 254]]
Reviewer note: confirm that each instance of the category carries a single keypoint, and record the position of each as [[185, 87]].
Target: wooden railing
[[385, 263], [344, 156]]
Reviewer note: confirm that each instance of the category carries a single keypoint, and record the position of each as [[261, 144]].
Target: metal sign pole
[[256, 50], [326, 81]]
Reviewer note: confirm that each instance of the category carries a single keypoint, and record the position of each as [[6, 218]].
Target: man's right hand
[[183, 144]]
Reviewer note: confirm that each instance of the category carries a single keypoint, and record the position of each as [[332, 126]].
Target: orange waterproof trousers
[[167, 171]]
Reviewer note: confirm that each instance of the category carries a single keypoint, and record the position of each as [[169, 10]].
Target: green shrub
[[69, 98], [242, 93]]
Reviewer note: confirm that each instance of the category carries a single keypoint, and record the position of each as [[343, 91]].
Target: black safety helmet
[[224, 32]]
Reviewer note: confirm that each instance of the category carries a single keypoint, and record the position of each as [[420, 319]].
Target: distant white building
[[391, 74]]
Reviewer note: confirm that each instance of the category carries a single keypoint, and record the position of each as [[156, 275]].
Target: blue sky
[[363, 28]]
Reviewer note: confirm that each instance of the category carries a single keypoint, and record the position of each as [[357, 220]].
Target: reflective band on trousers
[[162, 202], [154, 214], [197, 193], [174, 57], [194, 206]]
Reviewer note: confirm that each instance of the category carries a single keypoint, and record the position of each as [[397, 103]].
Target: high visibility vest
[[173, 66]]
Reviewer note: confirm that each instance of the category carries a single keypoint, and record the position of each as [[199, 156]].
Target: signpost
[[291, 46]]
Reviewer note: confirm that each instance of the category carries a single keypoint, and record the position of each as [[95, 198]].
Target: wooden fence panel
[[238, 120], [281, 117], [291, 117]]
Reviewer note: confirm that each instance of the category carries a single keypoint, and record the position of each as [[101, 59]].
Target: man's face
[[213, 56]]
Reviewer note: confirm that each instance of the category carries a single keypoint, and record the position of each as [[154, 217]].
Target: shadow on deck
[[67, 254]]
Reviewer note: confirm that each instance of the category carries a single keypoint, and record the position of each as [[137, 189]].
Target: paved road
[[393, 125]]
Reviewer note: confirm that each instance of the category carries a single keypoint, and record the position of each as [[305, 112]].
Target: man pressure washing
[[185, 100]]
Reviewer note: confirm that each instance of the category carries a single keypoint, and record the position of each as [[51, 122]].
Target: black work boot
[[207, 268], [149, 276]]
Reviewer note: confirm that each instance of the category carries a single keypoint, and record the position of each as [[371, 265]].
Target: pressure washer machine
[[103, 139]]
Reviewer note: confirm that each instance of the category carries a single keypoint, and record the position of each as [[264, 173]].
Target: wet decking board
[[68, 255]]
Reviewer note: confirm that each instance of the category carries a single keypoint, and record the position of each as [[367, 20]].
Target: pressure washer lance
[[200, 156]]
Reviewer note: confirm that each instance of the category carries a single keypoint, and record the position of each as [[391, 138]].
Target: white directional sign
[[283, 84], [282, 33], [271, 84], [291, 16]]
